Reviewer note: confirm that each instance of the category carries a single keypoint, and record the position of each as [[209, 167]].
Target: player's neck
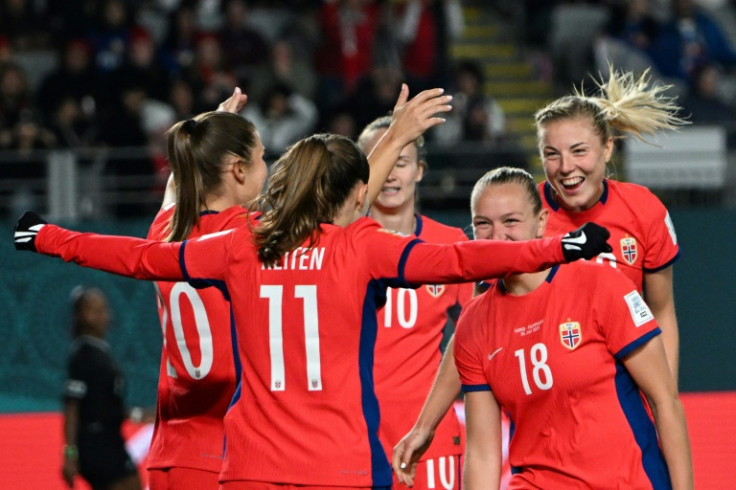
[[402, 220], [521, 284]]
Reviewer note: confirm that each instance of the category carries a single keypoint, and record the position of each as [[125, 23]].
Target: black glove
[[586, 242], [26, 230]]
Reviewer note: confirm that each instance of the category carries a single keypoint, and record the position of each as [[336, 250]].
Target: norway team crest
[[571, 335], [629, 250], [435, 290]]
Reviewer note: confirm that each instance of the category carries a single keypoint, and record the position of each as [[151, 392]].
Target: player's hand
[[69, 471], [26, 230], [411, 118], [234, 103], [586, 242], [407, 453]]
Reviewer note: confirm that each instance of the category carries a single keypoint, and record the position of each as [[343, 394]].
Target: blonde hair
[[626, 105]]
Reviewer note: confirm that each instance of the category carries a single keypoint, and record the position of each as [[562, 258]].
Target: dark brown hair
[[309, 184], [197, 150]]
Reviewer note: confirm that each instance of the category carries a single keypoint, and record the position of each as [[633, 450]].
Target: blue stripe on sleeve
[[472, 388], [404, 258], [200, 283], [666, 264], [637, 343], [642, 429]]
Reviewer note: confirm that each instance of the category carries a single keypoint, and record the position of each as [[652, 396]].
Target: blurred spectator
[[375, 94], [627, 39], [111, 34], [345, 55], [6, 50], [475, 115], [15, 98], [284, 67], [181, 37], [131, 170], [70, 126], [71, 19], [22, 22], [142, 67], [211, 78], [424, 29], [692, 38], [76, 77], [25, 169], [243, 46], [181, 99], [282, 118], [706, 103]]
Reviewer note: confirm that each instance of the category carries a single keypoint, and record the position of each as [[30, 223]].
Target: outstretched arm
[[410, 119]]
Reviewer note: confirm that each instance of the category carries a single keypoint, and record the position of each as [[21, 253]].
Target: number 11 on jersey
[[308, 295]]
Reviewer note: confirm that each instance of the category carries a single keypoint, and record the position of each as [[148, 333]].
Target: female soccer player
[[565, 352], [217, 164], [576, 135], [576, 142], [304, 284], [412, 322]]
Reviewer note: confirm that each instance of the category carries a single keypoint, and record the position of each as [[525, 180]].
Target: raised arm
[[410, 119]]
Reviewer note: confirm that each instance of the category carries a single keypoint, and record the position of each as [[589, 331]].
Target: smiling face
[[574, 160], [505, 212], [399, 190]]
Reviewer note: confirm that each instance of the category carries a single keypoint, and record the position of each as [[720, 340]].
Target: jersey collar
[[551, 275]]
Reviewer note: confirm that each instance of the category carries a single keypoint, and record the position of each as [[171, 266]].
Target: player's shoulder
[[159, 228], [591, 276], [633, 193], [431, 230], [232, 217]]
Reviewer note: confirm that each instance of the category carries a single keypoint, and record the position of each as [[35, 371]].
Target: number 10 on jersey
[[308, 295]]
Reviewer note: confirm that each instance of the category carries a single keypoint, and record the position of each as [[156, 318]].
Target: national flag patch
[[629, 250], [435, 290], [571, 335]]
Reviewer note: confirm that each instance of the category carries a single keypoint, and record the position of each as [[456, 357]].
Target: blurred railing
[[129, 182]]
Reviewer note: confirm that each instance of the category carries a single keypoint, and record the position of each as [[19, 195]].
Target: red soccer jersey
[[305, 411], [410, 330], [553, 361], [198, 371], [642, 234]]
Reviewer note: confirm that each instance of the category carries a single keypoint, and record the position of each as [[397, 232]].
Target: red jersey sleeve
[[468, 348], [126, 256], [479, 259], [662, 247], [204, 260], [627, 322]]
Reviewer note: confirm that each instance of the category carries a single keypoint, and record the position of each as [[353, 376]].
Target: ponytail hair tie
[[190, 125]]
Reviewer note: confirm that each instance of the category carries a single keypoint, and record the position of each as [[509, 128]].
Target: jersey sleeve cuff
[[665, 265], [637, 343], [472, 388]]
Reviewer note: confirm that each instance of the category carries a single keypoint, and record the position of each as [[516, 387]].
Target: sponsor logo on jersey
[[571, 335], [435, 290], [629, 250], [639, 310]]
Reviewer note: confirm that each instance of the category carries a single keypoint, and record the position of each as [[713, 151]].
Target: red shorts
[[442, 472], [182, 478]]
